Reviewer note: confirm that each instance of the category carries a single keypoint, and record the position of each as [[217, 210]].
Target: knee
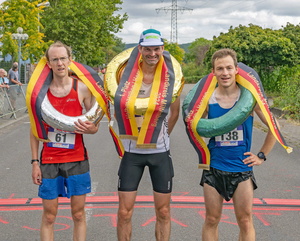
[[49, 218], [212, 220], [245, 222], [125, 214], [163, 213], [78, 215]]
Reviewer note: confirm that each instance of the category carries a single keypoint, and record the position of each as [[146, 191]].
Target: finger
[[36, 181], [39, 181]]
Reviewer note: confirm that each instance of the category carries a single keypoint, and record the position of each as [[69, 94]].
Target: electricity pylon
[[174, 8]]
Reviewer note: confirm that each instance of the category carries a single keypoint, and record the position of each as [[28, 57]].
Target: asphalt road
[[276, 203]]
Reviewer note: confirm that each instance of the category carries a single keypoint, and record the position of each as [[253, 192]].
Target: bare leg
[[243, 202], [125, 211], [213, 207], [163, 216], [79, 219], [48, 219]]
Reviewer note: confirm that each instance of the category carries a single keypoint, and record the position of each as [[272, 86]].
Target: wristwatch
[[261, 155], [34, 160]]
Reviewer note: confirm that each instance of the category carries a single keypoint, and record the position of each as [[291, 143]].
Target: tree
[[87, 26], [175, 50], [262, 49], [292, 32], [21, 13], [112, 50], [194, 67], [197, 51]]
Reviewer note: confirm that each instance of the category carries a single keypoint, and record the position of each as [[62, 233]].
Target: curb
[[11, 122]]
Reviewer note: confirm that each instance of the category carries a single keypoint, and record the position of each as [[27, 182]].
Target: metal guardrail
[[12, 101]]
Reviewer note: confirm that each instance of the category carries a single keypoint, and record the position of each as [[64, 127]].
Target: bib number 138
[[232, 138]]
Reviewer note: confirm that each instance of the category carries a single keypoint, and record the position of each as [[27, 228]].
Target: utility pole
[[174, 8]]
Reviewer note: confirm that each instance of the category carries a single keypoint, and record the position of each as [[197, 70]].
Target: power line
[[174, 9]]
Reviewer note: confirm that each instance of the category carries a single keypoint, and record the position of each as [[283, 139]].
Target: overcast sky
[[207, 19]]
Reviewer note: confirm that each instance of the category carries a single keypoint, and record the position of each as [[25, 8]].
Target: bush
[[193, 73], [286, 85]]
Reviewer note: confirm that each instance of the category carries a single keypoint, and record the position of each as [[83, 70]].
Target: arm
[[13, 79], [36, 170], [174, 114], [268, 144], [85, 97], [16, 82]]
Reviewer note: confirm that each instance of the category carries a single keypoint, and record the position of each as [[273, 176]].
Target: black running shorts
[[226, 182], [132, 167]]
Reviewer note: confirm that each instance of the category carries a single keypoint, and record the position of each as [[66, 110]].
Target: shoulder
[[83, 89], [11, 73], [82, 86]]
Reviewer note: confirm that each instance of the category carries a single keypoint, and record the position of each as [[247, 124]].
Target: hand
[[85, 127], [252, 160], [36, 174]]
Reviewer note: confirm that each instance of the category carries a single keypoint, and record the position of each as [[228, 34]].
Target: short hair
[[59, 44], [224, 53], [14, 66], [3, 71]]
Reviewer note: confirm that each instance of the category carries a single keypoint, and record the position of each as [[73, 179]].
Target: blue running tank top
[[227, 151]]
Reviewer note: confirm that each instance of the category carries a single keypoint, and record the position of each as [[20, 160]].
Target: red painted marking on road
[[67, 217], [150, 220], [66, 226], [113, 218], [180, 223], [174, 199], [180, 193], [113, 193], [11, 195], [33, 229], [260, 216], [288, 202], [36, 201], [3, 221], [102, 199], [153, 219], [115, 206], [223, 217], [184, 199], [19, 201]]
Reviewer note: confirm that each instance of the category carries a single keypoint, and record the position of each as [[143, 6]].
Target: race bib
[[61, 139], [232, 138]]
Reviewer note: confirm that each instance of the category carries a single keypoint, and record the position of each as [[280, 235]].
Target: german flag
[[39, 84], [159, 101], [248, 78]]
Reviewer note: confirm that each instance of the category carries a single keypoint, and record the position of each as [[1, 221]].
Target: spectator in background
[[3, 86], [6, 80], [102, 73], [14, 83]]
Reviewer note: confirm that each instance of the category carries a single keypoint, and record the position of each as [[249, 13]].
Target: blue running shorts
[[65, 179]]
